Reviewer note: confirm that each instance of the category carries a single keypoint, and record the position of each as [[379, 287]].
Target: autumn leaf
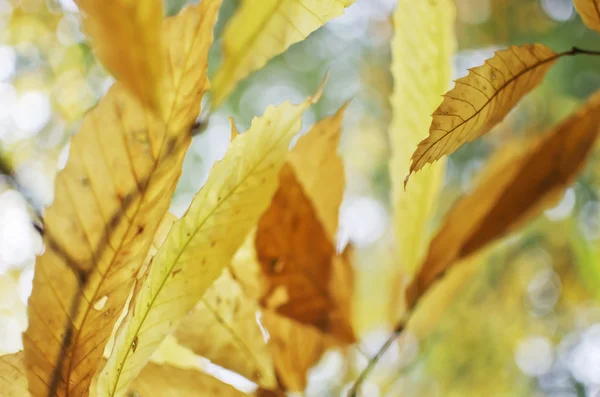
[[127, 39], [262, 29], [295, 255], [513, 193], [295, 348], [320, 170], [224, 327], [168, 380], [203, 241], [422, 50], [117, 185], [482, 99], [590, 13], [13, 381]]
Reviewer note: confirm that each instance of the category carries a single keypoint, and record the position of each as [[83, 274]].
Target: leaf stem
[[577, 50]]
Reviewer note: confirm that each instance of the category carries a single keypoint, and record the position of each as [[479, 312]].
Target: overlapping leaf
[[224, 328], [482, 99], [169, 381], [262, 29], [512, 194], [127, 39], [422, 50], [296, 258], [116, 187], [590, 13], [13, 381], [201, 243]]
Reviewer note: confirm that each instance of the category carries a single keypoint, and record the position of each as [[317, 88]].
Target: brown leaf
[[512, 194], [166, 380], [482, 99], [296, 256], [224, 328], [13, 381], [320, 170], [590, 12]]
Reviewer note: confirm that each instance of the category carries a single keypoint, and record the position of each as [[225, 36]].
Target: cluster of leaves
[[249, 277]]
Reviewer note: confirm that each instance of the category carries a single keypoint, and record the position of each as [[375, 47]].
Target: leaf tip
[[234, 130]]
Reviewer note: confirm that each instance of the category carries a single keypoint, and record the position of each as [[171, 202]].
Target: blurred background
[[520, 319]]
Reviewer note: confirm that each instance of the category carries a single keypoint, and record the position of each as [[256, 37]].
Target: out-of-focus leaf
[[295, 348], [422, 50], [590, 13], [201, 243], [224, 328], [296, 257], [127, 38], [117, 185], [262, 29], [482, 99], [13, 381], [169, 381], [320, 169], [512, 194]]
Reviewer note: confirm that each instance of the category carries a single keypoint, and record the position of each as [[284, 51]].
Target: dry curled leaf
[[422, 50], [512, 194], [224, 327], [13, 381], [590, 13], [127, 39], [262, 29], [482, 99], [122, 170], [170, 381], [203, 241]]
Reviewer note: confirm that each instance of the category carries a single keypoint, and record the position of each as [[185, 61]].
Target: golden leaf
[[168, 380], [116, 187], [13, 381], [590, 13], [482, 99], [203, 241], [421, 71], [295, 348], [262, 29], [224, 327], [126, 37], [320, 169], [512, 194], [296, 255]]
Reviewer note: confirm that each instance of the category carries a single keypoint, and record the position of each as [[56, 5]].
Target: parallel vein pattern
[[590, 13], [122, 170], [201, 243], [263, 29], [422, 48], [482, 99]]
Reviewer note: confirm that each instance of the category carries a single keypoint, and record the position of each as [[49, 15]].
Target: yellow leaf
[[13, 381], [262, 29], [167, 380], [512, 194], [590, 13], [203, 241], [127, 40], [320, 169], [422, 50], [295, 348], [116, 187], [482, 99], [224, 327]]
